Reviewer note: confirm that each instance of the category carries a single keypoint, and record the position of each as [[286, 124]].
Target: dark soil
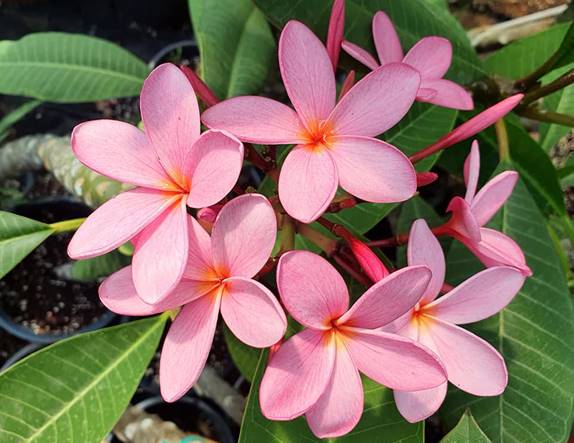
[[8, 345]]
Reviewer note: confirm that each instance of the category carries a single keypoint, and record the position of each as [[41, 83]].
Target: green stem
[[67, 225], [502, 137], [542, 115], [543, 91]]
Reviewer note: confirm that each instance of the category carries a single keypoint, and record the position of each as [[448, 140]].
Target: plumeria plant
[[349, 325]]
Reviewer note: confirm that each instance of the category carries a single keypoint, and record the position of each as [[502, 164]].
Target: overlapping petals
[[472, 364], [430, 56], [171, 165], [317, 370], [333, 141], [218, 277]]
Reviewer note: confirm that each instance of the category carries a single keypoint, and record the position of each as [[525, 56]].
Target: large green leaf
[[245, 357], [59, 67], [535, 334], [18, 237], [467, 430], [101, 266], [236, 45], [413, 19], [76, 389], [381, 421]]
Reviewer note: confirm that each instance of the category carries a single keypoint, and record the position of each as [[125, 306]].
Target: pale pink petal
[[472, 364], [394, 361], [187, 346], [495, 249], [431, 56], [366, 109], [463, 220], [416, 406], [386, 39], [170, 115], [213, 165], [493, 195], [311, 289], [479, 297], [307, 73], [336, 31], [120, 151], [471, 172], [243, 235], [117, 221], [252, 312], [161, 254], [307, 183], [199, 258], [388, 299], [256, 120], [373, 170], [297, 375], [118, 294], [447, 94], [425, 94], [361, 55], [328, 417], [405, 325], [424, 249]]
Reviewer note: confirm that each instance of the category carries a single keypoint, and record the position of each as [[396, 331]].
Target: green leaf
[[67, 68], [18, 237], [535, 334], [94, 268], [245, 357], [565, 53], [523, 56], [77, 389], [467, 430], [381, 421], [236, 45], [16, 115], [413, 19]]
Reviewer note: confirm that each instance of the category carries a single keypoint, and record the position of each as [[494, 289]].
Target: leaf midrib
[[10, 240]]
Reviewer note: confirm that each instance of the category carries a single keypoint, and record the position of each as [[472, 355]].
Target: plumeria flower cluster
[[198, 264]]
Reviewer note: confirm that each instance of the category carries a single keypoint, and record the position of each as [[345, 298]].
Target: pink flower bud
[[425, 178], [370, 263], [335, 32]]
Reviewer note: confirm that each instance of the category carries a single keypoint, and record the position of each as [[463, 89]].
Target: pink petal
[[307, 73], [311, 289], [373, 170], [252, 312], [118, 294], [160, 254], [256, 120], [243, 236], [187, 346], [394, 361], [471, 172], [479, 297], [297, 375], [405, 325], [307, 183], [361, 55], [213, 164], [463, 220], [447, 94], [170, 115], [495, 249], [431, 56], [120, 151], [328, 417], [388, 299], [386, 39], [365, 110], [493, 195], [425, 94], [424, 249], [472, 364], [335, 32], [416, 406], [117, 221], [199, 257]]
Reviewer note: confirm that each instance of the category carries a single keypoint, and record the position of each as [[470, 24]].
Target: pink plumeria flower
[[469, 215], [218, 277], [334, 142], [471, 363], [431, 56], [316, 372], [170, 164]]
